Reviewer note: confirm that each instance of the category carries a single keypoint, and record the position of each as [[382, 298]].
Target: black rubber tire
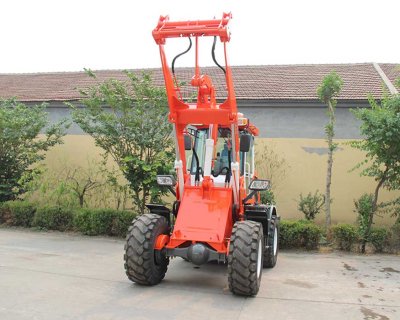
[[143, 264], [270, 257], [245, 259]]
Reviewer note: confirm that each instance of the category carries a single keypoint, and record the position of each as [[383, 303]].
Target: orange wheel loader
[[217, 214]]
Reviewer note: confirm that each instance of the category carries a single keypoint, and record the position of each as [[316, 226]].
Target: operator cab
[[222, 156]]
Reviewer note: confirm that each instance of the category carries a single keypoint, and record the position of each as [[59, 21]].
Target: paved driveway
[[64, 276]]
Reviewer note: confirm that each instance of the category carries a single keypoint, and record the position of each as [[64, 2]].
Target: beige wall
[[305, 172], [76, 150]]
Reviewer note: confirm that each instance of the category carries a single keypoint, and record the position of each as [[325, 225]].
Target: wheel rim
[[275, 240], [259, 258]]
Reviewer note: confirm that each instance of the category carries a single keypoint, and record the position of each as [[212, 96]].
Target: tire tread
[[242, 259], [140, 266], [269, 258]]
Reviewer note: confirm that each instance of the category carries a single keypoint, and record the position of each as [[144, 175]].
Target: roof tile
[[268, 82]]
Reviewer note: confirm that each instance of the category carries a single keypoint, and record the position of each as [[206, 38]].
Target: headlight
[[166, 180], [259, 185]]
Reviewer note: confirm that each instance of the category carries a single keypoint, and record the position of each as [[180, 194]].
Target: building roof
[[268, 82]]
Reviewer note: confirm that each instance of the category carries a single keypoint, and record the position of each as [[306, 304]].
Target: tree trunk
[[328, 186], [138, 201], [118, 202], [330, 134], [81, 200], [145, 195], [373, 211]]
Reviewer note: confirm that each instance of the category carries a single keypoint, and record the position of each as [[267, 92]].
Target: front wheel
[[143, 264], [245, 260], [271, 245]]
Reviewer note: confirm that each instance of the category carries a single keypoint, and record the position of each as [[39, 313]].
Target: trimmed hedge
[[53, 218], [394, 240], [345, 236], [379, 238], [88, 221], [17, 213], [103, 221], [293, 234], [299, 234]]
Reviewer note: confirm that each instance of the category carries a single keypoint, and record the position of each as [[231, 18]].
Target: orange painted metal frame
[[205, 212], [205, 110]]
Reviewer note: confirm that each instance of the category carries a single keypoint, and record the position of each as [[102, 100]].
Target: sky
[[69, 35]]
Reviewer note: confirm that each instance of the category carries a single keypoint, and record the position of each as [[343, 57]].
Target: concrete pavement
[[65, 276]]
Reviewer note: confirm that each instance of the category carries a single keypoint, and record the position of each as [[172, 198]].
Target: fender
[[263, 214]]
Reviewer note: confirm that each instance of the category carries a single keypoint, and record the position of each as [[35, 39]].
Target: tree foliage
[[381, 131], [20, 144], [311, 204], [364, 210], [271, 165], [380, 127], [129, 121], [328, 90]]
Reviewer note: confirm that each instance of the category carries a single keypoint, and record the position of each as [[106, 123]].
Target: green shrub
[[53, 218], [81, 221], [122, 222], [364, 210], [267, 197], [21, 147], [379, 238], [17, 213], [299, 234], [394, 240], [344, 235], [5, 214], [311, 204], [103, 221]]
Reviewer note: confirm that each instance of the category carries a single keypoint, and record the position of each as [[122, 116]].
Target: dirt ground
[[65, 276]]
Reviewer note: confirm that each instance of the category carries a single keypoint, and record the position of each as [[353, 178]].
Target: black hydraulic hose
[[213, 56], [229, 173], [197, 175], [180, 54]]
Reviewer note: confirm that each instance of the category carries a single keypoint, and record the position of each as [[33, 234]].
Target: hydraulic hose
[[180, 54], [228, 174], [197, 175], [213, 56]]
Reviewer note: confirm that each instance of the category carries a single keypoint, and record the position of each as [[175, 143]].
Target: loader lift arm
[[206, 110]]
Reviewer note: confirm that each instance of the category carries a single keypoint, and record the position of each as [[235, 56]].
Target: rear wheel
[[143, 264], [271, 245], [245, 260]]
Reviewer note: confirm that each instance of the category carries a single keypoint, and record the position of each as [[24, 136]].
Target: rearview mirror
[[245, 142], [188, 141]]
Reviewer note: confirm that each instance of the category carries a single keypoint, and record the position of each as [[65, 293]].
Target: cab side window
[[247, 163]]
